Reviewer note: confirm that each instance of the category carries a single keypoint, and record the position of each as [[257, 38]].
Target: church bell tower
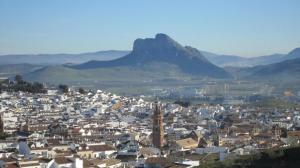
[[157, 132]]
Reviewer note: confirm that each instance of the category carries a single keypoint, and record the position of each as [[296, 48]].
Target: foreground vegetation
[[21, 85]]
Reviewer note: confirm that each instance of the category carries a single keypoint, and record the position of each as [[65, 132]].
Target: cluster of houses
[[100, 129]]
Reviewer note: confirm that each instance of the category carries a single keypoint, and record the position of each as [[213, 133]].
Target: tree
[[183, 103], [3, 136], [64, 88], [38, 88], [22, 85], [283, 132], [19, 79], [81, 90]]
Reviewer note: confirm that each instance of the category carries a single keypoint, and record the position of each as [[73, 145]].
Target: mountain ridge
[[234, 60], [62, 58], [288, 69]]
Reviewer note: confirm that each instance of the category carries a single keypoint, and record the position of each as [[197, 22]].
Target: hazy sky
[[240, 27]]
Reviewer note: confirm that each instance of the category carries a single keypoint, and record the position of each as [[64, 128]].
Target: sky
[[235, 27]]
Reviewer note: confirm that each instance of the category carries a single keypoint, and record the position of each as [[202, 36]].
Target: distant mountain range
[[222, 60], [152, 60], [237, 61], [217, 59], [50, 59], [158, 59], [288, 69]]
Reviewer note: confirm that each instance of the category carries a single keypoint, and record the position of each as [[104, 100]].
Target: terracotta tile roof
[[162, 161], [295, 134], [11, 165], [53, 141], [110, 162], [29, 165], [62, 160], [187, 143], [96, 148]]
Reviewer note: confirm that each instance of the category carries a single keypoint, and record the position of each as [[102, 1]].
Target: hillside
[[289, 69], [294, 54], [148, 74], [238, 61], [14, 69]]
